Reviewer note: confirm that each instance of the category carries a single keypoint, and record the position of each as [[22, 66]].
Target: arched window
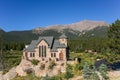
[[39, 51], [44, 51], [54, 54], [51, 54], [33, 54], [30, 54]]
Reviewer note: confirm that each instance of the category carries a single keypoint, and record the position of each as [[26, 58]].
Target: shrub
[[18, 78], [42, 67], [29, 71], [27, 77], [35, 62], [45, 78], [51, 78], [94, 75], [103, 71], [68, 73], [56, 78], [86, 71], [5, 71], [89, 73], [51, 65], [77, 69]]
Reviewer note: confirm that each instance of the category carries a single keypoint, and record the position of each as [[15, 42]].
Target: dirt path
[[76, 78], [114, 75]]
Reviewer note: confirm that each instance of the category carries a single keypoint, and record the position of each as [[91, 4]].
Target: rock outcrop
[[26, 66], [11, 74]]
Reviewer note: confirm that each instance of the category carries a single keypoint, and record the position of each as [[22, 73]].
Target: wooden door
[[61, 56]]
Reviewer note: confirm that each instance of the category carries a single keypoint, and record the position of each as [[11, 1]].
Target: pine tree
[[103, 71], [94, 75], [86, 71], [114, 36]]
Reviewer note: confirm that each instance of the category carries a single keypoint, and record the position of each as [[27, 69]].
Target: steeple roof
[[63, 36]]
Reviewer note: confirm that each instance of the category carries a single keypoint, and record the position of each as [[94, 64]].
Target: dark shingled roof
[[31, 47], [56, 45], [48, 39], [52, 44]]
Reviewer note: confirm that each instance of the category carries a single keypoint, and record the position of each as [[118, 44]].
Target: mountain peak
[[87, 25], [81, 26], [91, 22]]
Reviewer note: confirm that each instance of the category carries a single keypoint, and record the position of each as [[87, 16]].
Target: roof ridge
[[46, 36], [63, 36]]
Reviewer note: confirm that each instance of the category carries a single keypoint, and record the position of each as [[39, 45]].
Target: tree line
[[94, 44]]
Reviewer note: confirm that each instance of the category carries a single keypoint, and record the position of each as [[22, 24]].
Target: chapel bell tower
[[63, 39]]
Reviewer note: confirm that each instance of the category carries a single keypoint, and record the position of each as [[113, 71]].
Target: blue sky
[[28, 14]]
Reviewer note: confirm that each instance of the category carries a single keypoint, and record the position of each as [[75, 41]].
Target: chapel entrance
[[61, 56]]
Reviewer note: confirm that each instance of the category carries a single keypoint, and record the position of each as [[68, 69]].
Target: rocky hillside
[[85, 25]]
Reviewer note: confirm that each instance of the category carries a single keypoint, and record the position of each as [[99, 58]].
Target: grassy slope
[[11, 59]]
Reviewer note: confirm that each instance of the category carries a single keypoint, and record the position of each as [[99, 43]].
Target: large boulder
[[23, 66]]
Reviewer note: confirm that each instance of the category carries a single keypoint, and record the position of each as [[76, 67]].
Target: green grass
[[91, 58], [33, 77], [28, 77], [85, 57]]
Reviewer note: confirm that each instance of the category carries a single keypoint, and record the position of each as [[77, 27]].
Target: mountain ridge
[[79, 29], [85, 25]]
